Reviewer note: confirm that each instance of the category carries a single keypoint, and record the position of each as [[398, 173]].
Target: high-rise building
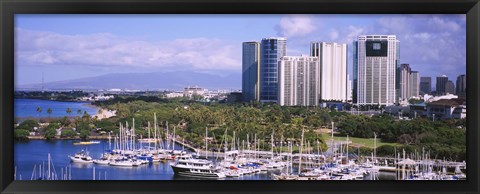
[[355, 71], [349, 89], [250, 71], [414, 84], [405, 73], [299, 81], [271, 50], [333, 70], [425, 85], [409, 82], [376, 60], [461, 85], [440, 85], [449, 87]]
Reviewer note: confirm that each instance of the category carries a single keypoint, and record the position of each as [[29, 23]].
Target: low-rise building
[[460, 112], [397, 111], [174, 95], [195, 90], [445, 108], [418, 110]]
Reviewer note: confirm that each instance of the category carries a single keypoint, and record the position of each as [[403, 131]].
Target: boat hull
[[101, 162], [78, 160], [192, 173]]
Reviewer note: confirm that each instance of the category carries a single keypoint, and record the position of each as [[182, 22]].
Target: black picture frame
[[11, 7]]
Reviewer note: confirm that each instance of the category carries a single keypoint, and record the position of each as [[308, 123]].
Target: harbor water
[[34, 153]]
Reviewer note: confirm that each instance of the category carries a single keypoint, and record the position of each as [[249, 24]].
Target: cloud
[[443, 24], [35, 48], [295, 25], [333, 34], [432, 44]]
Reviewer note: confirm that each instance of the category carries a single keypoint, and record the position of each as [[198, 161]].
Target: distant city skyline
[[67, 47]]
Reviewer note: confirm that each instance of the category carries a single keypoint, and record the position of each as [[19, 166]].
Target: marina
[[159, 153], [247, 168]]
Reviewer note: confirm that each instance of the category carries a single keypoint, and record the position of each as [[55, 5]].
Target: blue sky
[[75, 46]]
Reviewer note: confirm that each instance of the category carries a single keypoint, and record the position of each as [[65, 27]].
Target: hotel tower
[[376, 70]]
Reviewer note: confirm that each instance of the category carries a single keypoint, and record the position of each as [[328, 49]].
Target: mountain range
[[176, 80]]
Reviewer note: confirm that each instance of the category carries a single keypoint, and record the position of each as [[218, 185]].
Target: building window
[[376, 46]]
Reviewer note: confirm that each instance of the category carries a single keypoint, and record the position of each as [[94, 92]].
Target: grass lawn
[[357, 142], [365, 142]]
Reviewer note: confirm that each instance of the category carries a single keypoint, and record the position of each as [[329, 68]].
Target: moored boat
[[186, 165], [81, 157], [86, 142]]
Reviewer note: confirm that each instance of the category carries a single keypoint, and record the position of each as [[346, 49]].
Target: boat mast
[[148, 137], [155, 129], [233, 142], [126, 135], [173, 139], [256, 152], [48, 167], [347, 151], [271, 140], [301, 150], [206, 143], [167, 136], [133, 135], [374, 148], [332, 145]]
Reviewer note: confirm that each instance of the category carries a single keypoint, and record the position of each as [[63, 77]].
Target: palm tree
[[39, 110], [49, 111], [69, 111]]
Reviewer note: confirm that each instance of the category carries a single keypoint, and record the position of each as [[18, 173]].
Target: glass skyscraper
[[250, 71], [426, 85], [461, 85], [440, 85], [271, 50]]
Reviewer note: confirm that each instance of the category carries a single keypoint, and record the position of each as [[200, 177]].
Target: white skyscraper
[[375, 68], [333, 70], [299, 81]]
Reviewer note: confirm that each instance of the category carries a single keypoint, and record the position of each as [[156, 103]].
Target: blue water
[[24, 108], [34, 152]]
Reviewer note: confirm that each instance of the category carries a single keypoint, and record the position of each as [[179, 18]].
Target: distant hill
[[148, 81]]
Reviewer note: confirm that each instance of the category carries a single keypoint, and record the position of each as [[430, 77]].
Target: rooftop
[[448, 102]]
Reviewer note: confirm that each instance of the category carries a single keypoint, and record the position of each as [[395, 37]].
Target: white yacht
[[104, 160], [186, 165], [125, 163], [81, 157]]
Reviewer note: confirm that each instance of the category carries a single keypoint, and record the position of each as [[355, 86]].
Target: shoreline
[[105, 113]]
